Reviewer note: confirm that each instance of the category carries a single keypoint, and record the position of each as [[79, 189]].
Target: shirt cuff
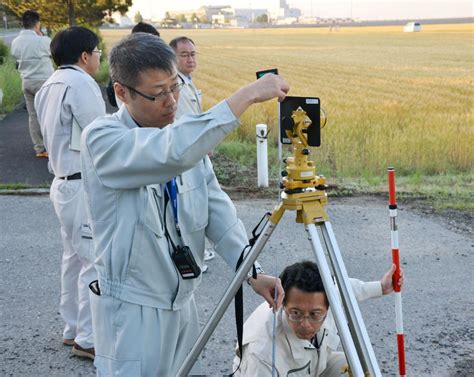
[[373, 289]]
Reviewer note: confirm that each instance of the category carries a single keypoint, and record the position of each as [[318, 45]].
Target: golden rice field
[[393, 98]]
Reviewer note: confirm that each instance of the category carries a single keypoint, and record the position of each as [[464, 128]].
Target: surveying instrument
[[304, 192]]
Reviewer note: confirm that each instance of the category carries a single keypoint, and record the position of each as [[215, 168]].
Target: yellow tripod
[[304, 192]]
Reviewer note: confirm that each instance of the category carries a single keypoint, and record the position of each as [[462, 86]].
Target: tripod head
[[300, 172]]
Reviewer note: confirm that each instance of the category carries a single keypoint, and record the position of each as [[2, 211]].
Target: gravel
[[437, 300]]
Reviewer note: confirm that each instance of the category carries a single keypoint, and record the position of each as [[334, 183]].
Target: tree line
[[57, 14]]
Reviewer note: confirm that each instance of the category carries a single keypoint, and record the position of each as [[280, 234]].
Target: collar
[[75, 67], [186, 79], [28, 32], [125, 118], [297, 345]]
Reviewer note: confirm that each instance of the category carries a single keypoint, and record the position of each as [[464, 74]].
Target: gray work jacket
[[33, 55], [124, 168]]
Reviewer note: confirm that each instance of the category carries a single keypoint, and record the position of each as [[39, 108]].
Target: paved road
[[18, 163], [438, 298], [8, 36]]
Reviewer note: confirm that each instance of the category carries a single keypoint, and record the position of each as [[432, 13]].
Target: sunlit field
[[393, 98]]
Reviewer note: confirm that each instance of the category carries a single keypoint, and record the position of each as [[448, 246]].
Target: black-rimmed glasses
[[160, 96]]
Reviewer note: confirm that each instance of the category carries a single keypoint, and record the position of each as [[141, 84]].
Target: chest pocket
[[193, 212], [154, 210]]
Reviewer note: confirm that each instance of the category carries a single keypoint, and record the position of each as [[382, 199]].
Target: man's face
[[310, 307], [160, 112], [91, 62], [187, 57]]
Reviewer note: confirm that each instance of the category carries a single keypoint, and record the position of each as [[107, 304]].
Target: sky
[[357, 9]]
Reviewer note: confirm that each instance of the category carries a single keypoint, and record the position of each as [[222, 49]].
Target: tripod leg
[[356, 322], [336, 307], [227, 298]]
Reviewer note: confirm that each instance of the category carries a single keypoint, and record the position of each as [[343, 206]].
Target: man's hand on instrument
[[265, 286]]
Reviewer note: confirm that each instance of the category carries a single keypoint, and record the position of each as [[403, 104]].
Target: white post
[[262, 155]]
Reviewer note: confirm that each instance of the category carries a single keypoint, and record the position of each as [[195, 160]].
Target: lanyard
[[68, 67], [172, 192]]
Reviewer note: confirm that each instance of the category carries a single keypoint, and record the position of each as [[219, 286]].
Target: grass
[[102, 75], [10, 83], [439, 191], [21, 186], [443, 191]]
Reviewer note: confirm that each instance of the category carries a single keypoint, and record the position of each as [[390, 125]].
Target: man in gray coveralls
[[152, 198]]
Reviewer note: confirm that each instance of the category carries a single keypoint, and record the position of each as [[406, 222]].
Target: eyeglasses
[[187, 55], [297, 316], [99, 52], [160, 96]]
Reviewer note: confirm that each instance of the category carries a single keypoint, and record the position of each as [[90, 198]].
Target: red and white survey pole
[[392, 206]]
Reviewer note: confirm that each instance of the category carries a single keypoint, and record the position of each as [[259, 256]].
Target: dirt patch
[[456, 220]]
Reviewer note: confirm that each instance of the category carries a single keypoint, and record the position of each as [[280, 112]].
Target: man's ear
[[37, 28], [84, 58], [120, 92]]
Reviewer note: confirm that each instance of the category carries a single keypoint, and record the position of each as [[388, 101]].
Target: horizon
[[376, 10]]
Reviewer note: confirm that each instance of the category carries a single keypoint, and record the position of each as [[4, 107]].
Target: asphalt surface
[[8, 36], [18, 161], [437, 299]]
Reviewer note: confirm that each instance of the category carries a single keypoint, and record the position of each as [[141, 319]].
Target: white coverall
[[145, 320], [33, 56], [190, 98], [294, 356], [68, 93], [190, 102]]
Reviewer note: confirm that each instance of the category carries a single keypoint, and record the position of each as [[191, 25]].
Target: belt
[[71, 177]]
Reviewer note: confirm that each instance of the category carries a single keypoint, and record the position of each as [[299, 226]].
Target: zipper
[[308, 365]]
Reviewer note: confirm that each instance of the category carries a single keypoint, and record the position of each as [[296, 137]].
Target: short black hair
[[68, 45], [30, 18], [304, 276], [137, 53], [174, 42], [143, 27]]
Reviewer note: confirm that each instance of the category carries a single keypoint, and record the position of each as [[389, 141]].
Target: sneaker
[[43, 154], [209, 254], [77, 350], [68, 342]]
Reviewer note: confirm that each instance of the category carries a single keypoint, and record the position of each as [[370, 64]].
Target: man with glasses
[[66, 103], [190, 98], [305, 334], [152, 198]]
